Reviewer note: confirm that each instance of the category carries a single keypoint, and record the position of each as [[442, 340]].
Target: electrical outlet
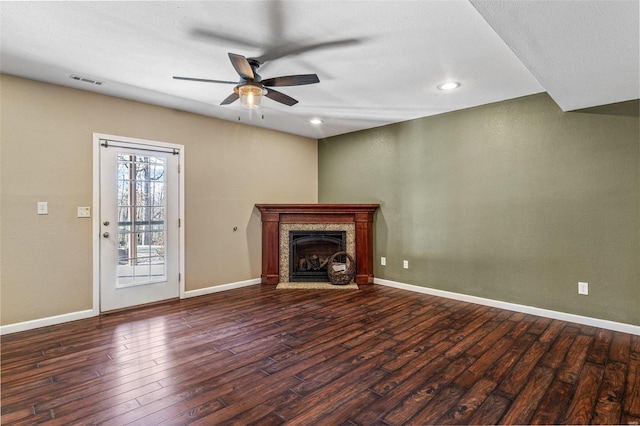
[[43, 207], [383, 261], [405, 264], [84, 211], [583, 288]]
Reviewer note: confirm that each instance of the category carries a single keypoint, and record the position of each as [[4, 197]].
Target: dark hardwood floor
[[375, 356]]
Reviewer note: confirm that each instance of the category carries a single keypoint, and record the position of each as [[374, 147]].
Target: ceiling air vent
[[86, 80]]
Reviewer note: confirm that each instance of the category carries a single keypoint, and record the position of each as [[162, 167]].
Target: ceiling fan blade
[[242, 66], [280, 97], [230, 99], [296, 49], [292, 80], [205, 80], [234, 40]]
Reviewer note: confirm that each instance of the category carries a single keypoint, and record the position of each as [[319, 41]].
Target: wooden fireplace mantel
[[275, 214]]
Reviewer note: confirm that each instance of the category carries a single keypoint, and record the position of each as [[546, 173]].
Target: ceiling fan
[[251, 87]]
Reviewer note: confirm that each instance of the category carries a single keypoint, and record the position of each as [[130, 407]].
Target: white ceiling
[[380, 64]]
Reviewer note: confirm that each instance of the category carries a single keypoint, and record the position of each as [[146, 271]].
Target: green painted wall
[[514, 201]]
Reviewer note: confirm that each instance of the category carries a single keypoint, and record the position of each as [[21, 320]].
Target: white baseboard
[[74, 316], [222, 287], [563, 316], [43, 322]]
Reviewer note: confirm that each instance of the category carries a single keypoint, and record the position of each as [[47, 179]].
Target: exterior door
[[139, 224]]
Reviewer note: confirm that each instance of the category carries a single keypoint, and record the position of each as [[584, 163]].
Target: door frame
[[96, 227]]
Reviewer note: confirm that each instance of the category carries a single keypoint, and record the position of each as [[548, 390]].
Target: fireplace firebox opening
[[309, 253]]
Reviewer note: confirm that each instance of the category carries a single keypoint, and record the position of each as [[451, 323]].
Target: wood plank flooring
[[374, 356]]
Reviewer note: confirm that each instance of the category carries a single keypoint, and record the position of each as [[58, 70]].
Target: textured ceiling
[[584, 53], [379, 62]]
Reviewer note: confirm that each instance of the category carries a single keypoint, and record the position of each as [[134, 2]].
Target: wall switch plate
[[583, 288], [43, 207], [405, 264], [84, 211], [383, 261]]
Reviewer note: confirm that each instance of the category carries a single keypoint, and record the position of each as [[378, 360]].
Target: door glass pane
[[141, 219]]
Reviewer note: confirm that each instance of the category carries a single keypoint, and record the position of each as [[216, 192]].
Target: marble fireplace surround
[[279, 219]]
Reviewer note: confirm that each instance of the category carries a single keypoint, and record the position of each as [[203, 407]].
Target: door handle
[[106, 223], [106, 235]]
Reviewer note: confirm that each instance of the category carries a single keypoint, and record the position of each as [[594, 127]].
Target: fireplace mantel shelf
[[275, 214], [317, 208]]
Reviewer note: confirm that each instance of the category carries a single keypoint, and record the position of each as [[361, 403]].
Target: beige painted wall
[[514, 201], [46, 155]]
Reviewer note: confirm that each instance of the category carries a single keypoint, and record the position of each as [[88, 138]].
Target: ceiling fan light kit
[[251, 96]]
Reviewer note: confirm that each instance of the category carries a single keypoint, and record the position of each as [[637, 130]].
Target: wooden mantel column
[[359, 214], [364, 247], [270, 244]]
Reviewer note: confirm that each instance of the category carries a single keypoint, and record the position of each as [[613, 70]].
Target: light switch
[[583, 288], [84, 211], [43, 207]]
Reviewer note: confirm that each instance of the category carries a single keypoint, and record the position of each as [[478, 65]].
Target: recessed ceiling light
[[315, 121], [449, 85]]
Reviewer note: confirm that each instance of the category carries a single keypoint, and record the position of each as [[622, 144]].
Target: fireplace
[[280, 220], [310, 251], [284, 254]]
